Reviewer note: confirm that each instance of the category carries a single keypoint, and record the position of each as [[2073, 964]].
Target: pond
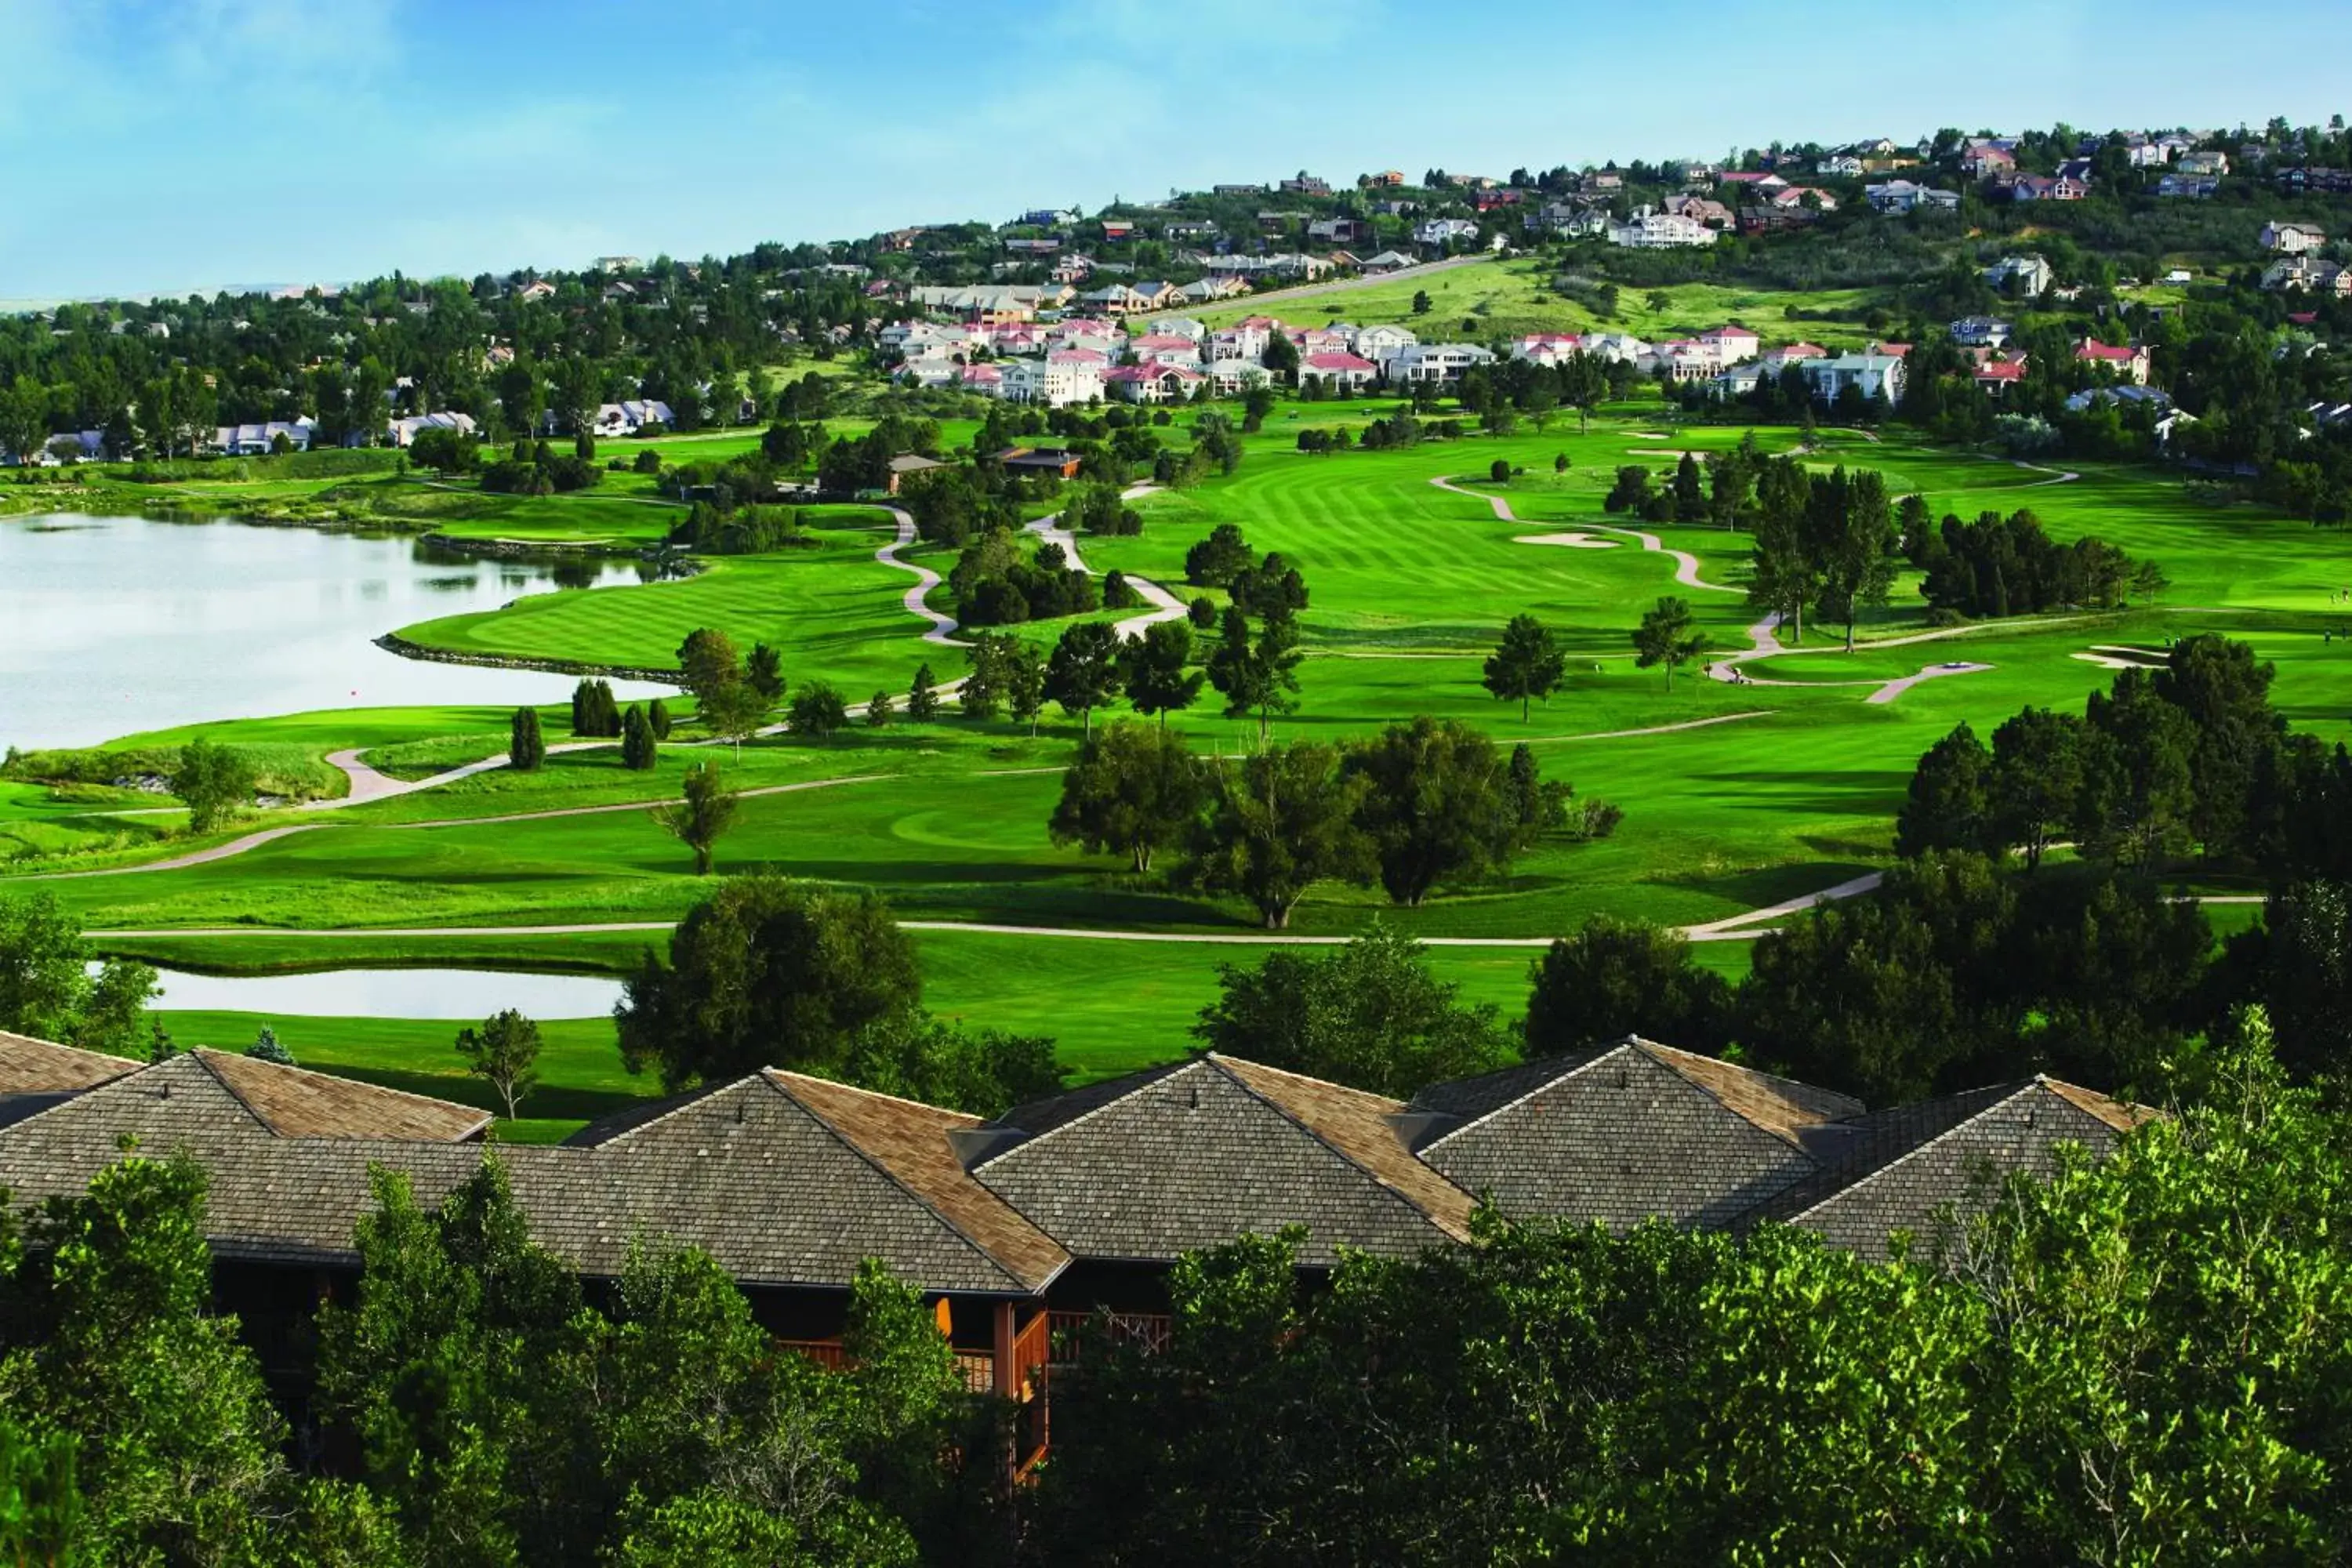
[[465, 996], [112, 626]]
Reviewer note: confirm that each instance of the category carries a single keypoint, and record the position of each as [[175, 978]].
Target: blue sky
[[165, 144]]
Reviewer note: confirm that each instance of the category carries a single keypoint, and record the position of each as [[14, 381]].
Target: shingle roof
[[294, 1103], [28, 1066], [1193, 1155], [1633, 1130], [1910, 1168], [785, 1180]]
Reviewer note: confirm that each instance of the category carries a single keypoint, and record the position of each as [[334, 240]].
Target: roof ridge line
[[204, 1052], [1595, 1060], [887, 1175], [200, 1055], [1874, 1172], [1221, 1061]]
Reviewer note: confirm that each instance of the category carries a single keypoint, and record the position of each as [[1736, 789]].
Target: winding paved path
[[942, 629], [1765, 643], [1687, 565], [1165, 606]]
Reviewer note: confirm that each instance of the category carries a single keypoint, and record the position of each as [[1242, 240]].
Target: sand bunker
[[2119, 656], [1647, 435], [1571, 541]]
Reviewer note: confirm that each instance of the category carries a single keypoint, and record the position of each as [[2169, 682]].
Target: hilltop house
[[1997, 376], [1649, 230], [2307, 274], [2029, 277], [2129, 362], [1981, 332], [1440, 232], [2292, 238], [1897, 197]]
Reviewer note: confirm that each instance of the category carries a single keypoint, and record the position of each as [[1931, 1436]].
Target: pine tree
[[922, 702], [638, 748], [525, 747]]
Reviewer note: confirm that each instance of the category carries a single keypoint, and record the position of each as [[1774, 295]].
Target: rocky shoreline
[[392, 642]]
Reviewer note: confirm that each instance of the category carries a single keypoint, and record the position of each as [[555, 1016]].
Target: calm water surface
[[458, 994], [113, 626]]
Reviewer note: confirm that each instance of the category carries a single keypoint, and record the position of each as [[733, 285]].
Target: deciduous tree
[[1527, 664], [503, 1052], [702, 815], [1280, 821], [1132, 790]]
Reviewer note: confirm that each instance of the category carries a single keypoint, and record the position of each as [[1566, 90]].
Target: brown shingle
[[28, 1066], [910, 1142], [1358, 1125], [295, 1103], [1780, 1106]]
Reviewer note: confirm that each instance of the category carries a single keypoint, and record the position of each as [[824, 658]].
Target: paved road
[[942, 629]]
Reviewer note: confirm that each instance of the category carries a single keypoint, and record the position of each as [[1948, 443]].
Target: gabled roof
[[1907, 1169], [1148, 1167], [1623, 1133]]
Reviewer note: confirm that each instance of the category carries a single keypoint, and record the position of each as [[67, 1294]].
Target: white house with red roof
[[1336, 369], [1731, 343], [1999, 373], [1548, 348], [1781, 358], [1151, 382], [1154, 348], [1056, 381], [2128, 362]]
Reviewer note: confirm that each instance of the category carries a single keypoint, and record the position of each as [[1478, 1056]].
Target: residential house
[[1731, 343], [405, 431], [2307, 274], [1381, 344], [1238, 190], [1617, 348], [1572, 218], [1980, 158], [2029, 277], [1997, 376], [2077, 170], [1388, 261], [1038, 461], [1176, 327], [2040, 188], [1151, 382], [1740, 381], [1897, 197], [1153, 348], [1548, 348], [1841, 163], [537, 288], [2292, 238], [1981, 332], [2213, 164], [1116, 229], [1649, 230], [2193, 187], [1338, 369], [1870, 374], [2128, 394], [1438, 232], [1442, 362], [1781, 358], [1061, 378], [1762, 183], [2127, 361], [1386, 177], [1601, 183], [630, 416], [261, 440], [1811, 197], [1304, 185], [1337, 231], [1705, 210]]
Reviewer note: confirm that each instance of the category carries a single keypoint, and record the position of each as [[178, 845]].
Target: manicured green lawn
[[1795, 789]]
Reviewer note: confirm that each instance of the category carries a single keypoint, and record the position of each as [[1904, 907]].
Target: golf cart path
[[1687, 565], [1763, 642], [941, 628], [1734, 928], [1165, 606], [270, 835]]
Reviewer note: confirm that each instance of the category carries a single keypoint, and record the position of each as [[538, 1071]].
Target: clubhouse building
[[1019, 1227]]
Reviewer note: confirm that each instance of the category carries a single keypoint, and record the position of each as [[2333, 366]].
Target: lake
[[113, 626], [466, 995]]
